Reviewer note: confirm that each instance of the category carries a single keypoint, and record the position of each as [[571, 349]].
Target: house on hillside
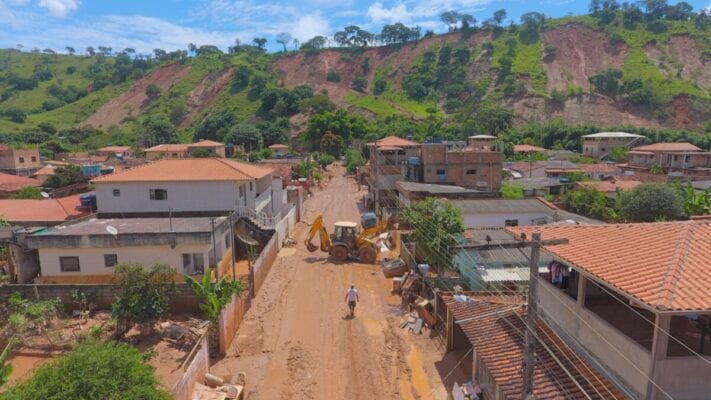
[[19, 161], [600, 145], [279, 150], [161, 151], [638, 302], [489, 330], [86, 250], [674, 159], [121, 152], [10, 184], [188, 187]]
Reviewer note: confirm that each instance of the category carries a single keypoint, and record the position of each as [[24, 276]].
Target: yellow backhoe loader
[[346, 241]]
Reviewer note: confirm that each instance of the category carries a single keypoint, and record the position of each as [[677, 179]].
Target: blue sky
[[171, 24]]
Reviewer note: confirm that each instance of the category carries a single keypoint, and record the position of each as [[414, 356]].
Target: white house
[[186, 187], [86, 251]]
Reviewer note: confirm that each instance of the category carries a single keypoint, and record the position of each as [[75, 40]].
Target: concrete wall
[[285, 226], [484, 167], [230, 321], [182, 300], [263, 264], [499, 220], [10, 158], [182, 197], [195, 371], [620, 354]]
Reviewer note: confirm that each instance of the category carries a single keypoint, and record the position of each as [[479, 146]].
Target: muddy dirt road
[[296, 341]]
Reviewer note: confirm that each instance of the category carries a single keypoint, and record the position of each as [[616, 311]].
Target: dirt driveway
[[296, 341]]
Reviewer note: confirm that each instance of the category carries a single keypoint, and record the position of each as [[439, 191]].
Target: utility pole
[[214, 249], [232, 242], [529, 357]]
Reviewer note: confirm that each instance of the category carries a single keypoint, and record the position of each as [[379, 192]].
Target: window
[[69, 264], [117, 192], [159, 194], [110, 260], [241, 191], [34, 159], [441, 172], [175, 155], [511, 222], [22, 160], [676, 158], [250, 186], [603, 149], [471, 172], [193, 263]]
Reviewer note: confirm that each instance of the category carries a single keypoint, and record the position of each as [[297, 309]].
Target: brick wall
[[195, 371], [230, 321], [183, 299], [264, 263]]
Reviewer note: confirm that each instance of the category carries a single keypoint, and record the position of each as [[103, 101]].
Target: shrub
[[93, 370], [333, 76], [379, 85], [359, 83], [512, 191], [15, 114], [652, 202], [354, 159]]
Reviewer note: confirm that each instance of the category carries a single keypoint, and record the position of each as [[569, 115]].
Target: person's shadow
[[347, 317]]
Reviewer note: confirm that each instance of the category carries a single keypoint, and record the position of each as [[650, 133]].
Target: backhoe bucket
[[311, 247]]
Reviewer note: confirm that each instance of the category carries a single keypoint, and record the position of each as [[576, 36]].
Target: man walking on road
[[352, 298]]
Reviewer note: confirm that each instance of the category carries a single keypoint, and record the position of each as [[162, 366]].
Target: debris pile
[[216, 388]]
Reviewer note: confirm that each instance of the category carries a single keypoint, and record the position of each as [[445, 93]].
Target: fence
[[196, 365], [182, 300], [262, 265], [284, 227], [230, 320]]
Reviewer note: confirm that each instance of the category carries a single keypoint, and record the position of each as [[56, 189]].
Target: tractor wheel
[[340, 254], [367, 254]]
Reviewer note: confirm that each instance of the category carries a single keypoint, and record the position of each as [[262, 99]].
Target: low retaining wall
[[284, 227], [262, 265], [230, 320], [195, 368], [182, 300]]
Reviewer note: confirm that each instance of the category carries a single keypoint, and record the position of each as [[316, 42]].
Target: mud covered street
[[297, 341]]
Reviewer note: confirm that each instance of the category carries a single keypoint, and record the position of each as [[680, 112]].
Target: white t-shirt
[[352, 294]]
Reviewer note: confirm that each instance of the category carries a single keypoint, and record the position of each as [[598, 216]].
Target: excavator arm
[[318, 227]]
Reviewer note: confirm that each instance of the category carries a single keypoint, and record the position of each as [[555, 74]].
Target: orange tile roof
[[188, 169], [278, 146], [395, 141], [115, 149], [597, 168], [206, 143], [167, 148], [13, 183], [668, 147], [664, 265], [47, 170], [610, 186], [496, 331], [38, 211], [281, 170], [527, 148]]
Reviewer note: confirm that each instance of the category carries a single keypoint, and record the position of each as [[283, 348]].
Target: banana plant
[[696, 202], [215, 295], [5, 367]]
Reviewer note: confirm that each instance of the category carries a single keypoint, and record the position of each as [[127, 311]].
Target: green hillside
[[545, 81]]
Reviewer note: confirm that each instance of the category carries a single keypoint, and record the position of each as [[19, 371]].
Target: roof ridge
[[675, 266]]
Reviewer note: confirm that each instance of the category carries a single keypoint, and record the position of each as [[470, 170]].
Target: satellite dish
[[110, 229], [45, 195]]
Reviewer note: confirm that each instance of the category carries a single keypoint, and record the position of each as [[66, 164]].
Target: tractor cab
[[345, 232]]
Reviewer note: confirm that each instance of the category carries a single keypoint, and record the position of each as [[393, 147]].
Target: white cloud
[[398, 13], [308, 26], [59, 8]]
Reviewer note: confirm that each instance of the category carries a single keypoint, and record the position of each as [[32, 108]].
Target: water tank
[[88, 200], [91, 170], [424, 269], [368, 220]]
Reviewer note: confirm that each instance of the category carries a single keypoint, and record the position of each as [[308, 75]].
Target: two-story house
[[19, 161], [600, 145], [475, 165], [637, 301], [215, 149], [121, 152], [683, 159], [187, 187], [392, 159]]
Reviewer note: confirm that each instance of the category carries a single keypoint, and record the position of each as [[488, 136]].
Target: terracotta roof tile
[[598, 168], [115, 149], [13, 183], [167, 147], [527, 148], [278, 146], [610, 186], [664, 265], [395, 141], [206, 143], [496, 331], [282, 170], [48, 210], [668, 147], [188, 169]]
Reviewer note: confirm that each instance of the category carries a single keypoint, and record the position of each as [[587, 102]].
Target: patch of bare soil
[[302, 69], [297, 340], [580, 52], [587, 108], [205, 94], [134, 100], [683, 49]]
